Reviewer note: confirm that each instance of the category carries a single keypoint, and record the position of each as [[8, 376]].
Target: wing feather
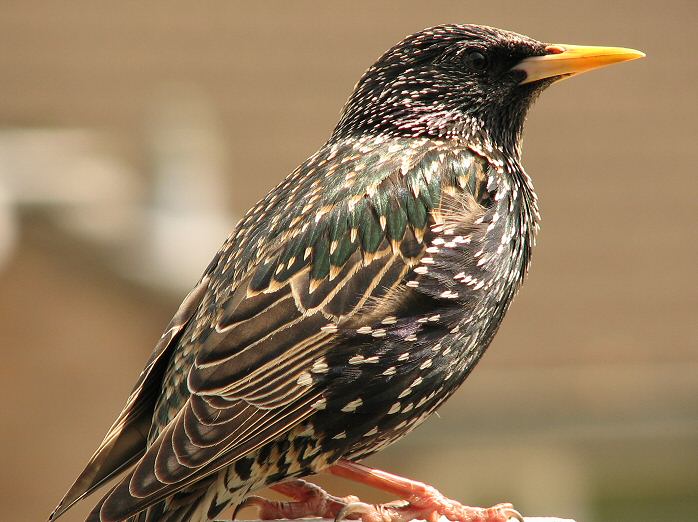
[[155, 477], [243, 399]]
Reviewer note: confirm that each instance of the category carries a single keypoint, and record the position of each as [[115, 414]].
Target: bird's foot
[[309, 501], [430, 509], [421, 502]]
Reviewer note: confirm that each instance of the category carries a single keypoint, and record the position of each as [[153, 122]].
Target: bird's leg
[[309, 501], [421, 501]]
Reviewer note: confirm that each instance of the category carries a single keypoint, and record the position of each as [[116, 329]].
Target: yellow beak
[[565, 60]]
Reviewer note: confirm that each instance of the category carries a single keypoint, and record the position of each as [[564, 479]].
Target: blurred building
[[132, 137]]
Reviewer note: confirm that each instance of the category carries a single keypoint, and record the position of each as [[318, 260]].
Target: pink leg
[[423, 501], [310, 501]]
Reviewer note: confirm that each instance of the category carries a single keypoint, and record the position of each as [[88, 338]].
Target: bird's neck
[[442, 124], [379, 110]]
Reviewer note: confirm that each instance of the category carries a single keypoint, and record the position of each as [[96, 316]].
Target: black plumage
[[352, 300]]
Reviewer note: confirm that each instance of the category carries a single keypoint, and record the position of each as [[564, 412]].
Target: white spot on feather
[[353, 405], [320, 366], [357, 359], [304, 379], [319, 404]]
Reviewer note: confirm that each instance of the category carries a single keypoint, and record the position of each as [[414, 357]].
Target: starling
[[350, 302]]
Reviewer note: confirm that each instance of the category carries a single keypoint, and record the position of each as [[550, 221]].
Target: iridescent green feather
[[340, 236], [379, 204]]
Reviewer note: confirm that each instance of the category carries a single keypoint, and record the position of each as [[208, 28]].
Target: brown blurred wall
[[591, 386]]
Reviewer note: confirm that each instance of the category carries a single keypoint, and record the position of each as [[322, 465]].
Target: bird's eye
[[475, 60]]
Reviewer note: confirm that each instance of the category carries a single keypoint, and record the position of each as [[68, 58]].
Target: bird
[[351, 301]]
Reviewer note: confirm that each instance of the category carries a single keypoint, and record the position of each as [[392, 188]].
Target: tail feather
[[126, 440], [122, 447]]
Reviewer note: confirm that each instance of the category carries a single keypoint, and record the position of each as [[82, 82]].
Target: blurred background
[[134, 135]]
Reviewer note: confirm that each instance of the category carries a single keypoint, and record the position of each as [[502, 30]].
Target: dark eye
[[475, 60]]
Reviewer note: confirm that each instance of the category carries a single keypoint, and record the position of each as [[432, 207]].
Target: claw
[[509, 511], [353, 508], [430, 510], [422, 502]]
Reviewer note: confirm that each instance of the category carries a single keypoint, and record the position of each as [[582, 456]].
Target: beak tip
[[633, 54]]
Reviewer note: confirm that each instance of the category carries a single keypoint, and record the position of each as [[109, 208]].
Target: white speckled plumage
[[351, 301]]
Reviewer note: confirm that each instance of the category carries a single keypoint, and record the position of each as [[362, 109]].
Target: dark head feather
[[446, 81]]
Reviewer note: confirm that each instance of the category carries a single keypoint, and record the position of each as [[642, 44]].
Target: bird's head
[[468, 81]]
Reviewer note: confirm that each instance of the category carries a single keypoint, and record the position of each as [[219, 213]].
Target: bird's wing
[[258, 364], [253, 376]]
